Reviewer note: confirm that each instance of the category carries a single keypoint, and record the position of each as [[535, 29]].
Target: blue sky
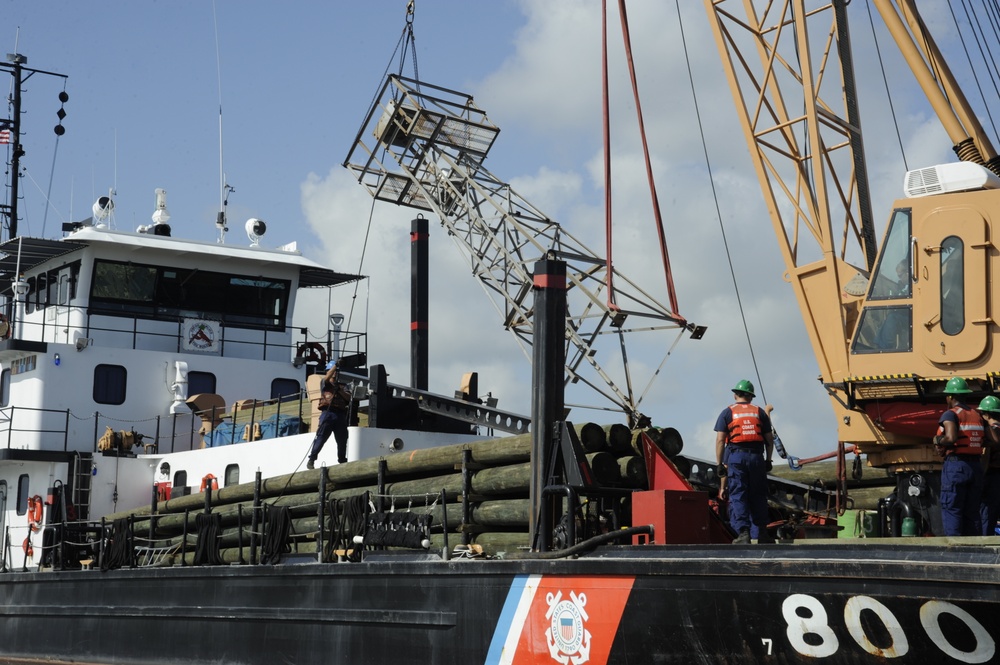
[[296, 81]]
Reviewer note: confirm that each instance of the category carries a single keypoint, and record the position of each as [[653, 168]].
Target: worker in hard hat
[[989, 504], [959, 440], [743, 448]]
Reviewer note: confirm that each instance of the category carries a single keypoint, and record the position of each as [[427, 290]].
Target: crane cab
[[926, 314]]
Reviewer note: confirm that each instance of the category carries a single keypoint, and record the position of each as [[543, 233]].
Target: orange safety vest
[[745, 427], [970, 432]]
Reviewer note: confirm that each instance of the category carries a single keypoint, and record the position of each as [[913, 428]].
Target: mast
[[15, 63], [15, 129]]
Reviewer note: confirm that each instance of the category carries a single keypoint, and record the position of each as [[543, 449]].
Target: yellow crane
[[889, 323]]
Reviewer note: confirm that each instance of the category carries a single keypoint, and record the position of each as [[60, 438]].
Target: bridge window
[[952, 286], [173, 293]]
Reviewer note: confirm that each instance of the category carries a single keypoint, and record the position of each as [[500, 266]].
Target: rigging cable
[[406, 39], [979, 43], [715, 198], [52, 170], [672, 294], [885, 81]]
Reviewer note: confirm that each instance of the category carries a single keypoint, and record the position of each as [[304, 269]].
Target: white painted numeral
[[805, 615], [767, 641], [815, 624], [852, 617], [930, 614]]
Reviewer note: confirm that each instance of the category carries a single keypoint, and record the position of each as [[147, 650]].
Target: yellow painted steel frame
[[809, 178]]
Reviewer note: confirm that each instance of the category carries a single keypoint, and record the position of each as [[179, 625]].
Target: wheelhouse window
[[29, 298], [5, 387], [284, 389], [201, 382], [952, 286], [22, 494], [3, 506], [232, 475], [109, 384], [174, 293], [893, 276]]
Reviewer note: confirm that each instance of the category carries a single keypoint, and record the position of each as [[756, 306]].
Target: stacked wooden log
[[429, 481]]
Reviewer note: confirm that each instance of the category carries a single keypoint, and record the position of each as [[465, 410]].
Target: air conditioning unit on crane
[[946, 178]]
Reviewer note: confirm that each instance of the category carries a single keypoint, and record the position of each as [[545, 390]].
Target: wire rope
[[715, 199]]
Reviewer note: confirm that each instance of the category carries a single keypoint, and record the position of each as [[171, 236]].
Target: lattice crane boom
[[423, 146]]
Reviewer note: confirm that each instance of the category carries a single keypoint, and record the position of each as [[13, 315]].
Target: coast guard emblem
[[567, 637]]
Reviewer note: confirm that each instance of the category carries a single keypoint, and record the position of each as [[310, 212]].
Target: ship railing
[[246, 420], [82, 326], [49, 427]]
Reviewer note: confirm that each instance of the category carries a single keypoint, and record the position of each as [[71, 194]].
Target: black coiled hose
[[206, 552], [117, 552], [347, 519], [277, 526]]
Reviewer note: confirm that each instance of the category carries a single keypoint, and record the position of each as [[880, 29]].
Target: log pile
[[487, 505]]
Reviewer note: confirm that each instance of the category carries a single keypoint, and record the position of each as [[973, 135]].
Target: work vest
[[745, 427], [970, 432]]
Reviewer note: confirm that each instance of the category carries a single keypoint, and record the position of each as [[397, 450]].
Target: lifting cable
[[672, 294], [984, 42], [715, 198], [778, 446], [407, 40], [885, 82]]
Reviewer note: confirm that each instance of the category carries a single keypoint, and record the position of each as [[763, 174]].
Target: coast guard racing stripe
[[566, 620]]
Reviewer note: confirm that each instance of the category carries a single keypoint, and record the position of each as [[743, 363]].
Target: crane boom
[[423, 146]]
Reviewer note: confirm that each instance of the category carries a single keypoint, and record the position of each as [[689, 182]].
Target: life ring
[[209, 480], [312, 352], [29, 551], [35, 507]]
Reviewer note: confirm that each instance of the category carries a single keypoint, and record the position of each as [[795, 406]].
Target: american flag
[[4, 136]]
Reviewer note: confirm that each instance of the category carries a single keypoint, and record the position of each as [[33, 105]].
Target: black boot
[[743, 538]]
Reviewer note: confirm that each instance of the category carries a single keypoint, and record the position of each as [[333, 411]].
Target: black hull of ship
[[784, 604]]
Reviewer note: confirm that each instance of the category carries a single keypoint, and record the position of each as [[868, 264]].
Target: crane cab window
[[952, 286], [893, 277]]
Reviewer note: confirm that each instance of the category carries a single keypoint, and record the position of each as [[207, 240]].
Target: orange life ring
[[312, 352], [35, 514], [29, 551], [209, 479]]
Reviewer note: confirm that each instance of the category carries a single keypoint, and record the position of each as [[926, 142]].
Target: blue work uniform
[[744, 425], [962, 474]]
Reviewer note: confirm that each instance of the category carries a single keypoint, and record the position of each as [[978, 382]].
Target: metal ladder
[[83, 464]]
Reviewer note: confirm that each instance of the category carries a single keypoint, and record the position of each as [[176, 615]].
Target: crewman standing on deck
[[335, 404], [989, 506], [743, 448], [959, 440]]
